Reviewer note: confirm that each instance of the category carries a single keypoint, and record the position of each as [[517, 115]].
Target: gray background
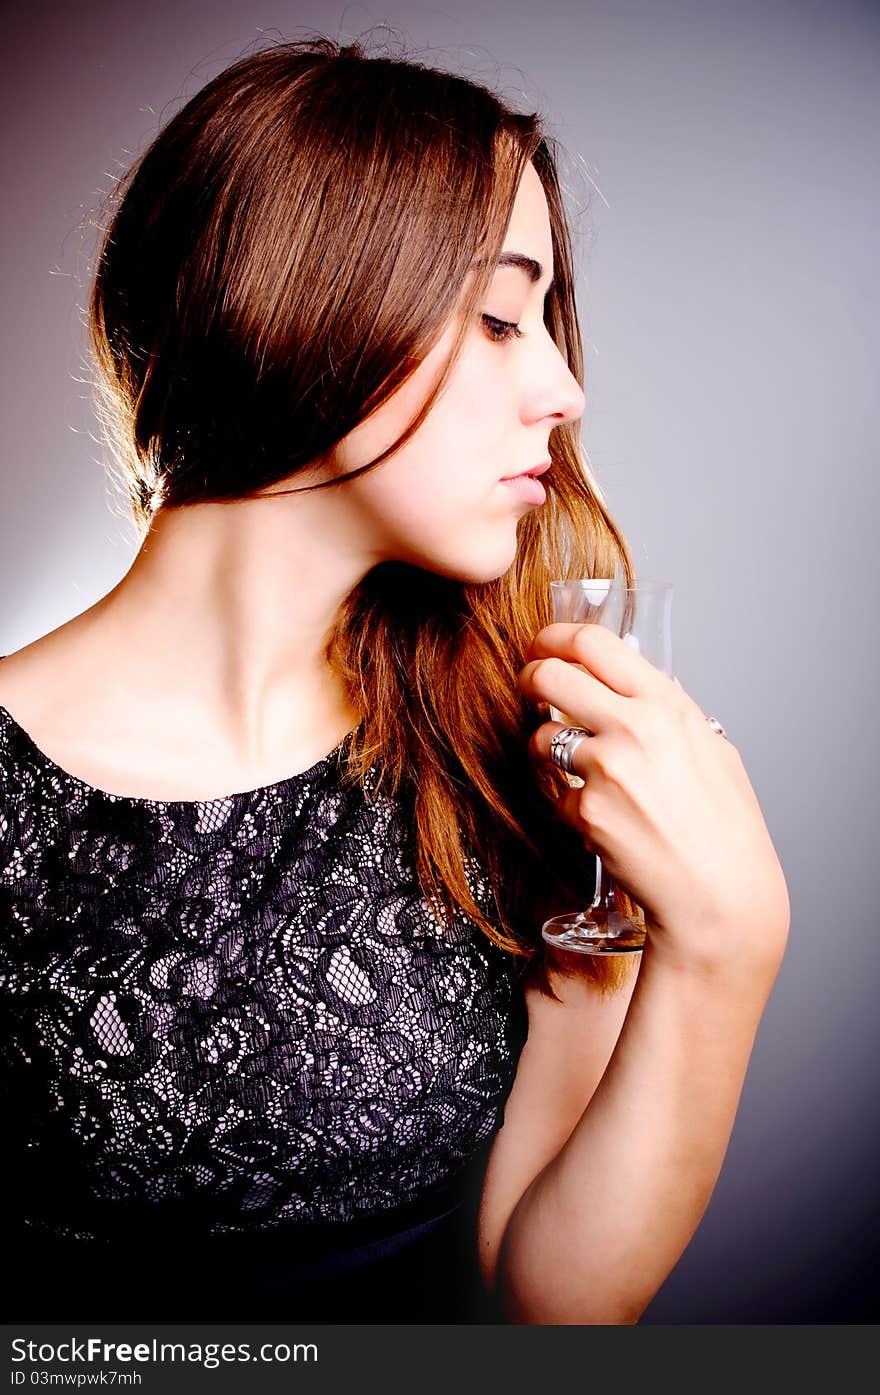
[[723, 176]]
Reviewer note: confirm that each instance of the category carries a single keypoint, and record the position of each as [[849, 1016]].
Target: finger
[[608, 657], [583, 698], [569, 808], [539, 748]]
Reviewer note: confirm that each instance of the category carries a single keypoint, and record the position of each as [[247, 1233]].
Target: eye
[[501, 330]]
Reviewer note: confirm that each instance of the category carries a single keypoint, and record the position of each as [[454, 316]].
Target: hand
[[666, 802]]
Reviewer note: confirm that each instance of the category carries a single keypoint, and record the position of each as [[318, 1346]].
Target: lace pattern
[[235, 1014]]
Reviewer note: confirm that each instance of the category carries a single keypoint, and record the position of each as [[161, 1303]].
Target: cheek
[[419, 503], [449, 520]]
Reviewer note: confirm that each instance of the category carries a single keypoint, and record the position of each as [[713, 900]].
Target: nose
[[557, 392], [573, 398]]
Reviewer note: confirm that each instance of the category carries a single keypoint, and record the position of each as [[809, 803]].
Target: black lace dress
[[244, 1072]]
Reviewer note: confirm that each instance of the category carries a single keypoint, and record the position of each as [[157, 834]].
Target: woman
[[279, 820]]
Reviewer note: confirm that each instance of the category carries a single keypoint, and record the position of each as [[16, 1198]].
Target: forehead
[[529, 228], [528, 235]]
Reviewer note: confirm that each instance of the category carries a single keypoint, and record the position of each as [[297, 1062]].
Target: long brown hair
[[273, 267]]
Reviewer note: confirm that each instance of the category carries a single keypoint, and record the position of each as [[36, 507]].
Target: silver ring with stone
[[716, 726]]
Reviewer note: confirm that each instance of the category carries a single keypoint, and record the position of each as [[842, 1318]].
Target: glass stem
[[603, 897]]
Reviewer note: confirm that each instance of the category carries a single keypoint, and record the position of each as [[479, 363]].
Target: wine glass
[[642, 615]]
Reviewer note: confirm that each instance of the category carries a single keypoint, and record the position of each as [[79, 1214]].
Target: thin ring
[[564, 744], [716, 726]]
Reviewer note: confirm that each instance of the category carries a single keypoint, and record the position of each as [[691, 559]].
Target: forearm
[[598, 1231]]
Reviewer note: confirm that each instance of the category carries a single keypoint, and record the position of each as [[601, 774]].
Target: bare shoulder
[[42, 663], [33, 679], [569, 1045], [71, 694], [45, 688], [30, 689]]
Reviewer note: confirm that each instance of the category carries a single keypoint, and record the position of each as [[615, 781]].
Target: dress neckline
[[288, 783]]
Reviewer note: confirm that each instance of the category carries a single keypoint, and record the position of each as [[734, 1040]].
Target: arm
[[597, 1231], [565, 1056], [669, 808]]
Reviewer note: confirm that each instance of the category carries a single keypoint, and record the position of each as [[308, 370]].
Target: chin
[[483, 559], [486, 564], [476, 575]]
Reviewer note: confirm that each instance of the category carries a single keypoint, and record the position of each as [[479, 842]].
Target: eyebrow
[[532, 268]]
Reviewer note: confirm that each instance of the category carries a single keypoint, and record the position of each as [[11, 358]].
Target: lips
[[527, 484], [533, 473]]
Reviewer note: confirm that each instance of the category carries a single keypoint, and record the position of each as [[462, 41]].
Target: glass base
[[594, 933]]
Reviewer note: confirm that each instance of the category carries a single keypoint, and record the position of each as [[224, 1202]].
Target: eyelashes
[[501, 330]]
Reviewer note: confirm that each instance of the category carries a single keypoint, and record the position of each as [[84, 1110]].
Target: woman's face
[[440, 502]]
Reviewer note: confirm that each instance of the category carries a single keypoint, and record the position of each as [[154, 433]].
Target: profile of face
[[442, 501]]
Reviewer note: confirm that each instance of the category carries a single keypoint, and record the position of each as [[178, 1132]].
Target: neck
[[231, 607]]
